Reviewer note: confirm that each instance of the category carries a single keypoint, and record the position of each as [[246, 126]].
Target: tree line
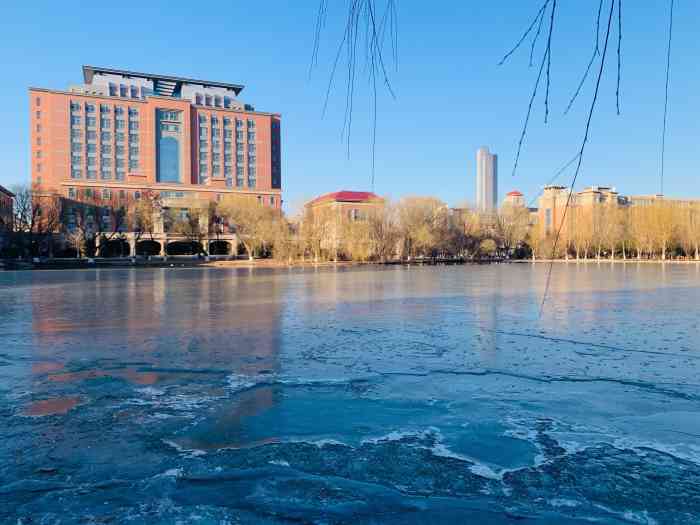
[[409, 229]]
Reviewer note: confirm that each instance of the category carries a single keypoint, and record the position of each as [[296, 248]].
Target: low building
[[355, 205], [514, 198]]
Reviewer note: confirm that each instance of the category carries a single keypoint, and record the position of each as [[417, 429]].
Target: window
[[272, 201], [105, 123], [228, 171], [72, 194], [227, 122], [239, 176], [134, 152], [203, 155], [106, 162], [133, 125], [112, 90], [227, 102], [239, 148], [119, 150], [215, 145], [207, 100], [76, 159], [91, 175], [251, 136], [122, 194], [75, 121], [89, 108], [216, 157], [203, 133], [137, 195], [251, 123], [38, 114], [133, 140], [106, 174], [228, 134], [38, 101], [120, 136], [92, 135], [75, 107], [75, 135], [239, 136], [214, 122], [133, 164], [76, 146], [251, 149], [203, 169], [203, 145], [133, 112], [38, 154], [119, 174], [106, 195], [239, 124], [548, 218], [38, 167], [38, 128], [228, 158], [122, 90], [91, 161], [217, 101], [38, 141], [91, 121], [106, 136], [104, 108], [106, 149], [239, 158], [134, 92], [198, 99], [216, 169], [251, 177], [118, 110], [91, 148], [119, 163]]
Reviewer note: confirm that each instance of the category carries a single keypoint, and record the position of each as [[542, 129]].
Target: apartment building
[[125, 133]]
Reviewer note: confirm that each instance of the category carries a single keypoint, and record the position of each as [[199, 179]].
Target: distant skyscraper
[[486, 180]]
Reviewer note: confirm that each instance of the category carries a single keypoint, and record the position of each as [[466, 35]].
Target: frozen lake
[[351, 395]]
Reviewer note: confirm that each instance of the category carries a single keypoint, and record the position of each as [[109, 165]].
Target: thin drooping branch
[[523, 132], [536, 38], [596, 52], [539, 14], [549, 60], [668, 72], [580, 157], [619, 60], [320, 22]]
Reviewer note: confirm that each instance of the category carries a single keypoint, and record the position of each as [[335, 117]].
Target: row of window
[[105, 136], [213, 100], [105, 123], [108, 194], [123, 90], [214, 120], [90, 108]]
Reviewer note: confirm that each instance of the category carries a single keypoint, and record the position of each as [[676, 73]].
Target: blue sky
[[451, 95]]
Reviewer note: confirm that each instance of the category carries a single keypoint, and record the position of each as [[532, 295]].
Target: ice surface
[[369, 395]]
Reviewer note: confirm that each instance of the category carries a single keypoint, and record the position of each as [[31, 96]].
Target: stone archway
[[183, 248], [219, 247]]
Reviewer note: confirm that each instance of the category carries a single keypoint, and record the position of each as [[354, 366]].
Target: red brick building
[[122, 132]]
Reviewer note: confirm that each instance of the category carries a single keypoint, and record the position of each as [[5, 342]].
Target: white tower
[[486, 180]]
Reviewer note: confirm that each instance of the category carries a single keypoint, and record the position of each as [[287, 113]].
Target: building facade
[[486, 181], [353, 205], [126, 133], [6, 210], [514, 198]]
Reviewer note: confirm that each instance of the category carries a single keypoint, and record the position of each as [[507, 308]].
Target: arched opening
[[219, 248], [183, 248], [147, 247], [114, 248]]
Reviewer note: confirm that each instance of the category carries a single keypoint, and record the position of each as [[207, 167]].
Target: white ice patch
[[563, 502], [279, 462], [183, 450]]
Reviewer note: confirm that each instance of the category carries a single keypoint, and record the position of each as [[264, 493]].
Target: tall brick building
[[127, 132]]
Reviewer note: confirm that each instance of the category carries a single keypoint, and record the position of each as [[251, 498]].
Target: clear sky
[[451, 97]]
